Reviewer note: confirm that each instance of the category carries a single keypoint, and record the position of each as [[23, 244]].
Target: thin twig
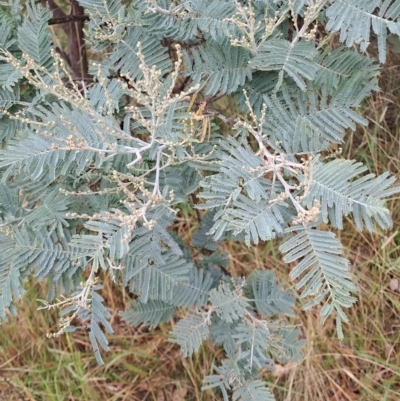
[[195, 202], [68, 18]]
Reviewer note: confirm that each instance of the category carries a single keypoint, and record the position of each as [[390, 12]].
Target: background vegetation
[[142, 365]]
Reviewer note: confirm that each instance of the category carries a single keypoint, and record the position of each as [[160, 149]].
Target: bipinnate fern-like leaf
[[110, 89], [229, 303], [202, 238], [291, 344], [195, 291], [294, 59], [241, 196], [34, 38], [189, 333], [338, 187], [149, 314], [156, 280], [268, 296], [237, 173], [304, 124], [9, 202], [8, 128], [251, 391], [324, 272], [247, 391], [224, 377], [219, 68], [354, 19], [208, 18], [30, 252], [91, 246], [37, 158], [255, 220], [9, 76], [37, 252], [50, 213], [8, 98], [250, 339], [10, 282], [97, 316], [6, 26], [186, 294], [342, 68], [115, 235], [125, 58]]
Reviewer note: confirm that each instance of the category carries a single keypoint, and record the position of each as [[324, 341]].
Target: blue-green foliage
[[34, 38], [98, 176], [354, 19]]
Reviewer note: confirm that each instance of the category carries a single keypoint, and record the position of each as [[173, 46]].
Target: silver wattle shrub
[[94, 172]]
